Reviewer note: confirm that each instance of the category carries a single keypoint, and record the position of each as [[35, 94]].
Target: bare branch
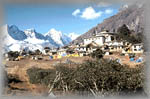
[[55, 80], [78, 82]]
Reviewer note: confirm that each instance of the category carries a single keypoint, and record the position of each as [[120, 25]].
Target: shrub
[[38, 75], [37, 52], [98, 54], [104, 76], [109, 76], [125, 34], [13, 54]]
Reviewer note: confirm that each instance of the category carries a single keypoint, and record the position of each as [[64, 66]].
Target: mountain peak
[[13, 27], [54, 32], [58, 37], [32, 40]]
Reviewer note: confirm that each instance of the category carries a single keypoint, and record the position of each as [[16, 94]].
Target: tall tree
[[124, 30]]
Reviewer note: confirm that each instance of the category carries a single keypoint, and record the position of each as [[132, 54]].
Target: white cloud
[[108, 11], [73, 35], [76, 12], [89, 13]]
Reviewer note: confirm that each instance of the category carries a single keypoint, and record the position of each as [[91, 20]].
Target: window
[[112, 38]]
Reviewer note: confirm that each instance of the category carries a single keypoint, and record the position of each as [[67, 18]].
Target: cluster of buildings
[[105, 40]]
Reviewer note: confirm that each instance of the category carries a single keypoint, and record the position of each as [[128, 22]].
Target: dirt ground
[[125, 59], [19, 68]]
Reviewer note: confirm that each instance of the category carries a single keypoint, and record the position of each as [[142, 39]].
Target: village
[[124, 51], [17, 63], [90, 50]]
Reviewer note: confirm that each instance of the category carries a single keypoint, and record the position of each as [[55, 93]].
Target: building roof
[[138, 44], [106, 32], [100, 34], [92, 44], [94, 36]]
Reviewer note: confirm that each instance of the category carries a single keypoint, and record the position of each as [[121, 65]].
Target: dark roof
[[138, 44]]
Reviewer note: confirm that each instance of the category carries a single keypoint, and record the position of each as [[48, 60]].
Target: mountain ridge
[[131, 15], [16, 39]]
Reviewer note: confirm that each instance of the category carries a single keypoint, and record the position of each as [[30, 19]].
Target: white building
[[108, 41], [100, 38], [109, 37], [137, 48]]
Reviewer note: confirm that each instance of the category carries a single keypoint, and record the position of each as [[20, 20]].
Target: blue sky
[[65, 18]]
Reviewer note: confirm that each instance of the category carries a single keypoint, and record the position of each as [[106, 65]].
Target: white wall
[[99, 40], [108, 38], [81, 49], [138, 49]]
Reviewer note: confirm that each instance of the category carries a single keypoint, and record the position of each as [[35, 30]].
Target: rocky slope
[[132, 16]]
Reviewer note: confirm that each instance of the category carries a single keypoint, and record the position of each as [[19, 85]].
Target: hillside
[[132, 16]]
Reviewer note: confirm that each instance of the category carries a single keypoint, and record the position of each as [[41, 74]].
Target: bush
[[37, 52], [13, 54], [125, 34], [104, 76], [40, 76], [109, 76], [98, 54]]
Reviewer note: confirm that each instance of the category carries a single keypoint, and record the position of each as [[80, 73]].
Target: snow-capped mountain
[[16, 40], [15, 33], [57, 36]]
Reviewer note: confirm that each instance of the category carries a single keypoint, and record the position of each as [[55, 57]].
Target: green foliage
[[13, 54], [98, 54], [109, 76], [125, 34], [104, 76], [66, 80], [43, 76], [123, 30], [138, 38], [37, 52]]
